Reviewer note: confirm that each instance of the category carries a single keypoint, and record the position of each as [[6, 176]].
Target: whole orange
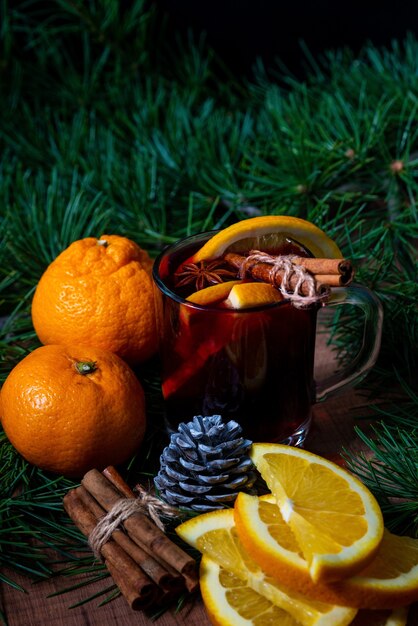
[[99, 292], [70, 408]]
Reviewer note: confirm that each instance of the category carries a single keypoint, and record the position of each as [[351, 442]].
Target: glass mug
[[256, 365]]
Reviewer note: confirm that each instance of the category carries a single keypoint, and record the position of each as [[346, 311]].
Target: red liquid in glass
[[252, 365]]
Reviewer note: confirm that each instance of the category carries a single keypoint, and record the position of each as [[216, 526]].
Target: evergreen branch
[[45, 223], [391, 474], [398, 410]]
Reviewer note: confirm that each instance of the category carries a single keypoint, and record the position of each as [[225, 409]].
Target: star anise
[[203, 274]]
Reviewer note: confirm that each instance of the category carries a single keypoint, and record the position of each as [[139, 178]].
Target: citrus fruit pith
[[391, 579], [214, 535], [229, 601], [267, 233], [336, 520]]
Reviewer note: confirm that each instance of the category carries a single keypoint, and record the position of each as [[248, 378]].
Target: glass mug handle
[[367, 355]]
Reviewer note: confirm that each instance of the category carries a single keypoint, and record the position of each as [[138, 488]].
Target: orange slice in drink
[[237, 295], [391, 579], [336, 520], [248, 295], [196, 344], [268, 233], [213, 294], [192, 364]]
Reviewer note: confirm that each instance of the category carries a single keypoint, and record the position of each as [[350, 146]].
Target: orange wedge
[[391, 579], [247, 295], [213, 294], [268, 233], [237, 294], [215, 536], [229, 601], [334, 517]]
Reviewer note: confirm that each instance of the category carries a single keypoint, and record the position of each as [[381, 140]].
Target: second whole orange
[[68, 409], [99, 292]]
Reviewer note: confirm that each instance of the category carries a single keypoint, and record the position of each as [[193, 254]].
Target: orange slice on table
[[229, 601], [336, 520], [215, 536], [391, 579], [266, 233]]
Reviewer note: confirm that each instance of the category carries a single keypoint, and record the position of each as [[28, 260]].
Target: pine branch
[[46, 217], [31, 509], [391, 474], [389, 466]]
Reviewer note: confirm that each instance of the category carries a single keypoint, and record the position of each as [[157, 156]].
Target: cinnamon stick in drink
[[139, 527], [327, 267], [139, 591], [165, 577], [263, 272], [332, 280], [326, 272]]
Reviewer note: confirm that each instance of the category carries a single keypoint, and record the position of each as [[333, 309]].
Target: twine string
[[281, 271], [125, 507], [154, 507]]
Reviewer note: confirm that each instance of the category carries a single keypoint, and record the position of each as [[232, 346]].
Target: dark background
[[240, 30]]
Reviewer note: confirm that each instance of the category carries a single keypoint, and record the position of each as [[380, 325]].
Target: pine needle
[[391, 473]]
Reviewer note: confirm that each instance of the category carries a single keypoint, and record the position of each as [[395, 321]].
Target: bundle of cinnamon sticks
[[326, 272], [145, 564]]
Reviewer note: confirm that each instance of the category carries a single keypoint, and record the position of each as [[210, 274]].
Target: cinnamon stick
[[128, 591], [332, 280], [167, 579], [191, 579], [116, 479], [139, 591], [316, 266], [139, 527], [262, 271], [326, 272], [192, 582]]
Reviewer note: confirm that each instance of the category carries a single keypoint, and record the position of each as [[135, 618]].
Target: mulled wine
[[252, 365]]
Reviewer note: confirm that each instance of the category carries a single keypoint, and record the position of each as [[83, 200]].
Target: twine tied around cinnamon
[[281, 272], [146, 503]]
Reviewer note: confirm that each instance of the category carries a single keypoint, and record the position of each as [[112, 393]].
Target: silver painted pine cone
[[205, 465]]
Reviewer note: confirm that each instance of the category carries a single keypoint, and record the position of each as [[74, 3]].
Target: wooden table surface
[[333, 428]]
